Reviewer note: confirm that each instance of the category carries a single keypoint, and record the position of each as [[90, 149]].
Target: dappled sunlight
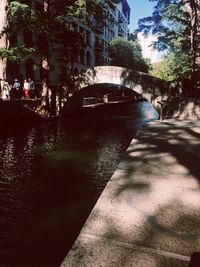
[[196, 130], [193, 201], [173, 141], [92, 250], [144, 211], [151, 203]]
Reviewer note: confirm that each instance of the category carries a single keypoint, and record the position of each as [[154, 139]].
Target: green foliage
[[90, 12], [127, 54], [149, 64], [175, 66], [17, 54], [170, 23], [53, 28], [21, 18]]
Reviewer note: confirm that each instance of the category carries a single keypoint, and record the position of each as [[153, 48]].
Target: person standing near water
[[26, 89], [5, 90], [16, 89], [32, 87]]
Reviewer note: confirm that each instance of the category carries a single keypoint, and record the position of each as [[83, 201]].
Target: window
[[29, 69], [82, 56], [88, 58], [88, 38]]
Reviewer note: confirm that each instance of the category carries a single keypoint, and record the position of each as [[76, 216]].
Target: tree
[[127, 54], [148, 63], [172, 22], [169, 22], [53, 17], [21, 19], [3, 39], [173, 67], [193, 9], [46, 29]]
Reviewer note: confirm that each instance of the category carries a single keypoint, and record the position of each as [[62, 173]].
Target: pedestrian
[[32, 88], [5, 90], [26, 89], [16, 89]]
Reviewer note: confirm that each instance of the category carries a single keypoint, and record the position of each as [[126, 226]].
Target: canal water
[[51, 176]]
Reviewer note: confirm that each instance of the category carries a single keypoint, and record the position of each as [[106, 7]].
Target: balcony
[[120, 18], [120, 32], [98, 27]]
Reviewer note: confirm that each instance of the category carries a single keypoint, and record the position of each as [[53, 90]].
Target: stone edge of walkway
[[106, 250]]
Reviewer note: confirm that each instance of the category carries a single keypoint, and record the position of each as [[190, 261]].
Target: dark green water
[[51, 176]]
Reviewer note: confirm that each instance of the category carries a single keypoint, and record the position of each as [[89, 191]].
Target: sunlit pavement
[[149, 212]]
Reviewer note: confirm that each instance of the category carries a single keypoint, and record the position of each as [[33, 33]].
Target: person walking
[[26, 89], [32, 87], [5, 90], [16, 89]]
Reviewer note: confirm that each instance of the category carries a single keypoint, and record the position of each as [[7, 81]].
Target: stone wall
[[166, 97], [151, 88], [182, 108]]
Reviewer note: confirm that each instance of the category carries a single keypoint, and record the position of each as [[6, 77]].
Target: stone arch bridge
[[152, 89]]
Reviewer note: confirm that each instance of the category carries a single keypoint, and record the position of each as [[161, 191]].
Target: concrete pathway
[[149, 212]]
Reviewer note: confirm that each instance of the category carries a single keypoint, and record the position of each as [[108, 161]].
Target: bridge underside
[[106, 84], [114, 90], [102, 99], [149, 87]]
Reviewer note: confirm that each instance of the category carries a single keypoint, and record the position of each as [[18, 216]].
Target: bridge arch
[[142, 85], [151, 88], [100, 99]]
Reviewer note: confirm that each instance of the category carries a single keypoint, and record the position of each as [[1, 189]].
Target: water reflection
[[50, 178]]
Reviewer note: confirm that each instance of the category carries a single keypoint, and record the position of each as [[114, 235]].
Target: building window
[[42, 43], [29, 69], [26, 2], [28, 39], [63, 76], [76, 73], [75, 54], [88, 58], [88, 38], [39, 7], [82, 56]]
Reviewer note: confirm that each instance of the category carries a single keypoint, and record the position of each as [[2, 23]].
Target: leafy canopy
[[127, 54], [175, 66], [23, 18], [170, 23]]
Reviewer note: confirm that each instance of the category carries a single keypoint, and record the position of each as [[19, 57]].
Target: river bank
[[51, 175], [148, 214], [13, 112]]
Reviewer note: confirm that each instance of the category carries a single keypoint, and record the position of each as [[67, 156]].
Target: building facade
[[70, 59], [75, 59]]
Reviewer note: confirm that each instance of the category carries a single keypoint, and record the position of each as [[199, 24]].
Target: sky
[[141, 9]]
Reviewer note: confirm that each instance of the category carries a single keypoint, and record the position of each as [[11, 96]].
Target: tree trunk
[[3, 40], [193, 9], [45, 70], [45, 89]]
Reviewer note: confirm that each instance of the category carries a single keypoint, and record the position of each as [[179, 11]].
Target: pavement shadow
[[149, 211]]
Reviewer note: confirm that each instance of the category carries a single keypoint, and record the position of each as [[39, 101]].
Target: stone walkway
[[149, 212]]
